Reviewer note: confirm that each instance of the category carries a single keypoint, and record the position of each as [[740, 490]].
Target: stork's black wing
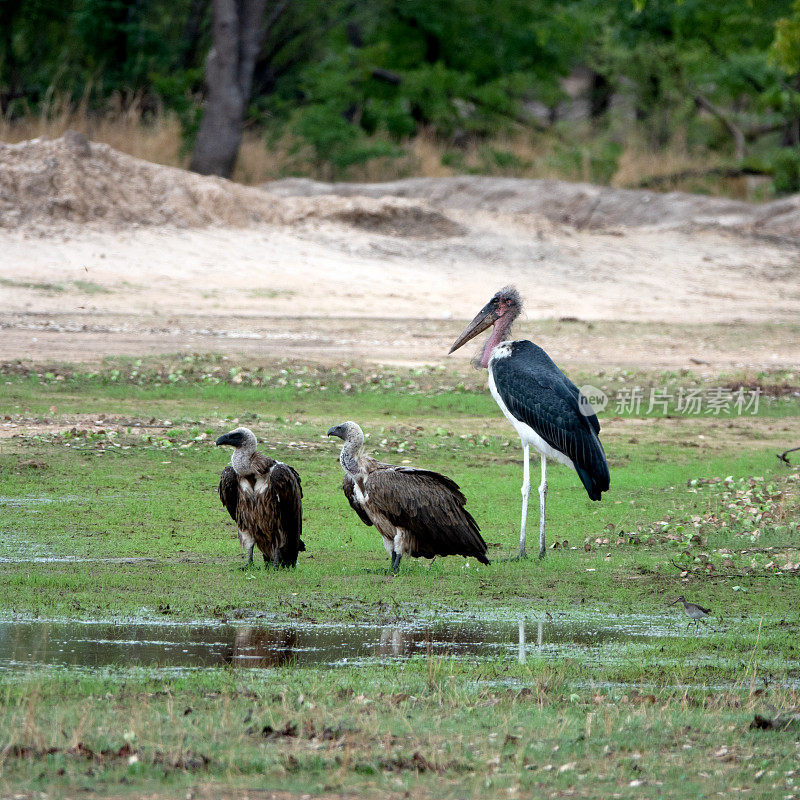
[[537, 392], [429, 507], [229, 490], [348, 487]]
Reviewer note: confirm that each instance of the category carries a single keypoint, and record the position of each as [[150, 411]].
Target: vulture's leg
[[526, 493], [542, 503], [250, 556], [396, 562]]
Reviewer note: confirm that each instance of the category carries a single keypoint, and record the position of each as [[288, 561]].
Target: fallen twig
[[782, 456]]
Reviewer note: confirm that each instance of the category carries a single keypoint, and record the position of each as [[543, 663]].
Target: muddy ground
[[102, 254]]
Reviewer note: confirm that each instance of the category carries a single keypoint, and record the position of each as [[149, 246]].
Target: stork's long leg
[[542, 503], [526, 493]]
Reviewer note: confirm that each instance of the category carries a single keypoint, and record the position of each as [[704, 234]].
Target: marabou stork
[[264, 498], [545, 407], [417, 512]]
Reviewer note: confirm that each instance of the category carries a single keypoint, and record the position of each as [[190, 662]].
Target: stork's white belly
[[527, 434]]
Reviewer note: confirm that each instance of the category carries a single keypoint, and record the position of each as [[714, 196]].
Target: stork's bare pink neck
[[500, 331]]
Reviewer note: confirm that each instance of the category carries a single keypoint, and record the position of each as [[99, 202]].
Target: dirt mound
[[579, 205], [411, 220], [71, 180]]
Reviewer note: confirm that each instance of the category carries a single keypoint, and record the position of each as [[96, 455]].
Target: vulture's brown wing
[[430, 508], [229, 490], [286, 493], [348, 487], [294, 472]]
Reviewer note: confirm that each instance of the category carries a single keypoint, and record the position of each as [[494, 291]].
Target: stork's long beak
[[674, 601], [484, 319]]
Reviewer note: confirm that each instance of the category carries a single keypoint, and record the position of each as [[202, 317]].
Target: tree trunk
[[600, 91], [237, 34]]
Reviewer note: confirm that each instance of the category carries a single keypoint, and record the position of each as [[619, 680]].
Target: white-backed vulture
[[417, 512], [264, 498]]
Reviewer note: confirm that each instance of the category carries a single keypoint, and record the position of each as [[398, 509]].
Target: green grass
[[86, 287], [432, 728], [114, 464]]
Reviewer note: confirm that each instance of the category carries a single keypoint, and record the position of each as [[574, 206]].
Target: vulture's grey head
[[349, 431], [239, 438]]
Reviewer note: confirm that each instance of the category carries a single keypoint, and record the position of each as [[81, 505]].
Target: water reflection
[[263, 647], [96, 644]]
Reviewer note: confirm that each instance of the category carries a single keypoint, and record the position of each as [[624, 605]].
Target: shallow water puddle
[[97, 644]]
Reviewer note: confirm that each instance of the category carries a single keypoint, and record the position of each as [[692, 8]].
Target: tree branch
[[714, 172], [734, 130], [782, 456]]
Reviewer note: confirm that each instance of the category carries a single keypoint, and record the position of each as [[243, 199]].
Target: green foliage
[[595, 164], [353, 81], [786, 46], [786, 171], [92, 49]]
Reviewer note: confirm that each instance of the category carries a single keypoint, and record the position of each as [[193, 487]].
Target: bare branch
[[782, 456], [734, 130]]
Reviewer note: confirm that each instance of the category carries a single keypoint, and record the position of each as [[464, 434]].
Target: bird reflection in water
[[522, 652], [396, 642], [263, 647]]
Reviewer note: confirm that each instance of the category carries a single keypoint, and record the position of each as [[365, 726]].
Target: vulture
[[417, 512], [264, 498], [546, 409]]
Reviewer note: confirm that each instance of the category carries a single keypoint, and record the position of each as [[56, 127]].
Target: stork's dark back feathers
[[537, 392]]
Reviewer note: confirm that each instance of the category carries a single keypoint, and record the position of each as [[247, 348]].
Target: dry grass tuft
[[153, 137]]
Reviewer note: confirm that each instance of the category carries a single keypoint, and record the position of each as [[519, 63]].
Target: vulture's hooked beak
[[227, 438], [485, 318], [337, 430]]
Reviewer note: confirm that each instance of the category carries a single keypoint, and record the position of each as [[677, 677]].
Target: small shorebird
[[693, 611]]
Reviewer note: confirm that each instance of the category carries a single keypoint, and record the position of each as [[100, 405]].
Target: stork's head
[[240, 438], [349, 431], [500, 311]]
